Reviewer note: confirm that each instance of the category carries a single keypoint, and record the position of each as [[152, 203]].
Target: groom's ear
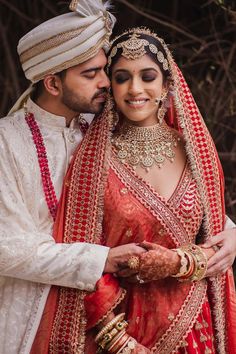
[[53, 85]]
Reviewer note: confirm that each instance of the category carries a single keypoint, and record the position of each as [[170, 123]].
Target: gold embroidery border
[[97, 150], [183, 185], [81, 58], [49, 43], [94, 214], [202, 170], [183, 323], [121, 298], [63, 319], [189, 118], [150, 199]]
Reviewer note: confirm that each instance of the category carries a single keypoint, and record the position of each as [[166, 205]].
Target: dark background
[[201, 34]]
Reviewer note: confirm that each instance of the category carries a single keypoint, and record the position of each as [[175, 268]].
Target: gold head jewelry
[[145, 146], [135, 47]]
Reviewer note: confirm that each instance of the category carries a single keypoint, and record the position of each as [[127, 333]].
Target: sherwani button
[[71, 138], [89, 287], [80, 285]]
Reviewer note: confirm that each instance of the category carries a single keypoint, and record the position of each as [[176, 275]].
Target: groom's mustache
[[102, 92]]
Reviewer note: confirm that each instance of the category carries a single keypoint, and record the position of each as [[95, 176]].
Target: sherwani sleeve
[[25, 252], [229, 224]]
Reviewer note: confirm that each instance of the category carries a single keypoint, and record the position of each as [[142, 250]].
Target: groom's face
[[84, 87]]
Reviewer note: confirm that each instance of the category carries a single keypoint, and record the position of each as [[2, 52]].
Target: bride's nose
[[135, 87]]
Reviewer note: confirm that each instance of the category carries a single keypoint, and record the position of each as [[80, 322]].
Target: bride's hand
[[225, 255], [158, 262], [140, 349]]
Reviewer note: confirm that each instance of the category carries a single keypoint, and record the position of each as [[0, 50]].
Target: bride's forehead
[[136, 64]]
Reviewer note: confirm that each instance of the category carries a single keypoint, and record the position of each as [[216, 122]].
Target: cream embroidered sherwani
[[30, 260]]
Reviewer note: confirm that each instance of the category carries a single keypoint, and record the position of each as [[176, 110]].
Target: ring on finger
[[216, 248], [134, 263]]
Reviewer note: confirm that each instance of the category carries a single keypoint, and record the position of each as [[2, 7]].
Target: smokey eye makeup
[[149, 77], [145, 75], [121, 77]]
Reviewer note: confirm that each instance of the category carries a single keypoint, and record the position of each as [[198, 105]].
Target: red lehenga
[[163, 315], [160, 313], [105, 202]]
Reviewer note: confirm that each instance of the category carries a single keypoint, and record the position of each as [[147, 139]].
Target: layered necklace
[[145, 146]]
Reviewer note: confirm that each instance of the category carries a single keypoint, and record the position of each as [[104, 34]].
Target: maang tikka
[[135, 47]]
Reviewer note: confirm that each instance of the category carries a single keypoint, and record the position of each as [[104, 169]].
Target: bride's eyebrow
[[148, 69], [121, 71], [128, 71]]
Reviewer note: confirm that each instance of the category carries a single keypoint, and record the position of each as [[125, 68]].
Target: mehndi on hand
[[158, 262]]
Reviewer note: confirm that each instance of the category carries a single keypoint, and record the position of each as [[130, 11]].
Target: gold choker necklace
[[145, 146]]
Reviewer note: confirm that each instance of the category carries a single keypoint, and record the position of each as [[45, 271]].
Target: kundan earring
[[162, 109], [157, 101]]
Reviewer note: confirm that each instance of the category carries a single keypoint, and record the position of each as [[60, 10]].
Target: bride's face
[[135, 85]]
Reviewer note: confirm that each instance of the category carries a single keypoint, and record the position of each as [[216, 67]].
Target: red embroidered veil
[[80, 218]]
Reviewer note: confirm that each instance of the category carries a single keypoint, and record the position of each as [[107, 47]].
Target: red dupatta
[[81, 210]]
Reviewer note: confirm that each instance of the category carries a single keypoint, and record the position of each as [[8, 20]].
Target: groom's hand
[[118, 257]]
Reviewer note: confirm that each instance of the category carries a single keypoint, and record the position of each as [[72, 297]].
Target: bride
[[147, 172]]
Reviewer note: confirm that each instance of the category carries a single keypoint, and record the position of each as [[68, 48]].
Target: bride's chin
[[141, 121]]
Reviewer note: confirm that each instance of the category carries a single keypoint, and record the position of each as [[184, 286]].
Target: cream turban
[[66, 40]]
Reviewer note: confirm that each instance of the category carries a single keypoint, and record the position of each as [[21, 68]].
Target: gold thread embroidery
[[182, 324], [151, 201], [121, 298], [203, 167], [75, 61], [71, 312], [49, 43]]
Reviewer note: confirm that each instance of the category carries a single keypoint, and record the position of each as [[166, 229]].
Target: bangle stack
[[193, 262], [113, 337], [183, 263]]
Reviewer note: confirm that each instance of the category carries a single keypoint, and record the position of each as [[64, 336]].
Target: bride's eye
[[149, 77], [120, 78]]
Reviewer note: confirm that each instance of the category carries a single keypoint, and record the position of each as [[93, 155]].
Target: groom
[[64, 58]]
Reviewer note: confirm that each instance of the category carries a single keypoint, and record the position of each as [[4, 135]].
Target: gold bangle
[[107, 338], [109, 326], [123, 344], [200, 260], [121, 325], [113, 344], [119, 343], [183, 270], [191, 268]]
